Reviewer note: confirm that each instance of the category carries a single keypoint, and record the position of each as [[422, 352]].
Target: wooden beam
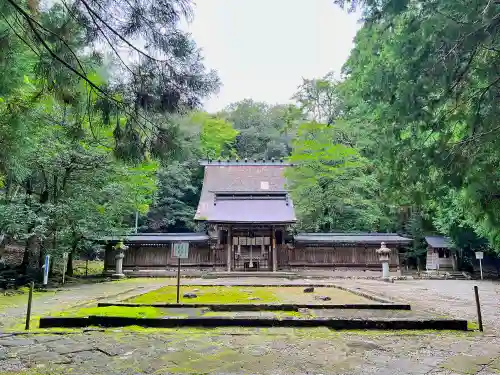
[[229, 248], [275, 255]]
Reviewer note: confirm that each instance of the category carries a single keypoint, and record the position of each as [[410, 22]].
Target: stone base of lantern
[[385, 271], [118, 276]]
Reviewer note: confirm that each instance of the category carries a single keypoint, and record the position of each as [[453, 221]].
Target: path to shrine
[[261, 351]]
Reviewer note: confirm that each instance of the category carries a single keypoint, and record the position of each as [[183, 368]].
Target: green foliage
[[421, 89], [265, 131], [217, 136], [330, 183], [318, 99], [209, 294], [176, 198]]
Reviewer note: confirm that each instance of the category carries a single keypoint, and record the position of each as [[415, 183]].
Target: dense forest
[[102, 127]]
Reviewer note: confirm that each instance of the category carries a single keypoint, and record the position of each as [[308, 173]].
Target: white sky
[[262, 48]]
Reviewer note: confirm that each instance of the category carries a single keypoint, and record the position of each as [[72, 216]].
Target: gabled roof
[[362, 238], [247, 183], [439, 242]]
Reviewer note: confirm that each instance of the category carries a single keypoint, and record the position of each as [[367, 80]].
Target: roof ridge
[[246, 162]]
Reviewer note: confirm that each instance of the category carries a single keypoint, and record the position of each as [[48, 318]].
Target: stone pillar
[[120, 254], [275, 254], [384, 253], [229, 249]]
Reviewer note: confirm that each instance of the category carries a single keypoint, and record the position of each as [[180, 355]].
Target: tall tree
[[319, 99], [330, 183], [156, 68], [265, 131]]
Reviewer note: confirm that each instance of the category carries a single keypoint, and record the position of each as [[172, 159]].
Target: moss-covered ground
[[210, 294], [119, 311], [236, 294]]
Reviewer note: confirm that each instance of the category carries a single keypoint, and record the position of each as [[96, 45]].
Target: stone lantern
[[120, 248], [384, 254]]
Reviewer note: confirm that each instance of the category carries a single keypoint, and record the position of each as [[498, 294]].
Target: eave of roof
[[363, 238], [439, 242], [245, 162], [145, 238], [251, 211]]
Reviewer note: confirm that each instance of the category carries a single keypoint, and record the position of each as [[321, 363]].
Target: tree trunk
[[30, 259], [41, 255], [69, 266]]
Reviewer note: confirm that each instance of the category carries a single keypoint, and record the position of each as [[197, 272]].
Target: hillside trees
[[331, 184], [199, 136], [423, 82], [265, 131], [78, 144]]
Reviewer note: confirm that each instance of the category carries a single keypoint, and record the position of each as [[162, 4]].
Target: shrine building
[[249, 218]]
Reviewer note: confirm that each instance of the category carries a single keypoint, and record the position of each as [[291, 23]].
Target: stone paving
[[249, 351], [275, 350]]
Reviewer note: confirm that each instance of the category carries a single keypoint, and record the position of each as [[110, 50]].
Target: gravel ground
[[266, 351], [453, 298]]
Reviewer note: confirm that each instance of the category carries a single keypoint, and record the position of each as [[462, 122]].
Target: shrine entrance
[[252, 249]]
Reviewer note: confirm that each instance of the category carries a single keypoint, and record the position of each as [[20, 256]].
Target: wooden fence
[[200, 255], [359, 257], [160, 257]]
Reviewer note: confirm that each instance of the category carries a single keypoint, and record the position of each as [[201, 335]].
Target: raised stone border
[[263, 306], [211, 322]]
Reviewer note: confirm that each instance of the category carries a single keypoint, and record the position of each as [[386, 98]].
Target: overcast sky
[[262, 48]]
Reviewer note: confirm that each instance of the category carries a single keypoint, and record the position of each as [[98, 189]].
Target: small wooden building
[[248, 215], [440, 254]]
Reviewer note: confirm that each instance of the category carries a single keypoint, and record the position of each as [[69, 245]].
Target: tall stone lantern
[[384, 254], [120, 248]]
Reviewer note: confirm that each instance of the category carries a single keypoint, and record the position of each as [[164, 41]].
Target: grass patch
[[277, 314], [472, 326], [127, 312], [19, 298], [214, 294], [119, 311], [95, 267], [338, 296], [292, 314]]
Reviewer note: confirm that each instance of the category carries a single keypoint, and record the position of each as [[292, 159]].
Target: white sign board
[[46, 267], [180, 250], [479, 255]]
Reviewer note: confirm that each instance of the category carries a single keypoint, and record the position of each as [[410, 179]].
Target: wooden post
[[275, 255], [229, 248], [28, 311], [216, 247], [478, 305], [178, 277]]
